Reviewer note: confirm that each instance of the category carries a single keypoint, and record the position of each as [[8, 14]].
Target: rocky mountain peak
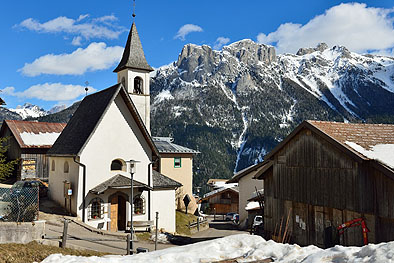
[[248, 51], [320, 47]]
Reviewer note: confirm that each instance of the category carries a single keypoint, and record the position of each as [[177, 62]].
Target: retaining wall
[[11, 232]]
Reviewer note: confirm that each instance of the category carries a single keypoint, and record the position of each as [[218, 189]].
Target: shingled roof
[[165, 145], [133, 54], [356, 139], [88, 116], [160, 181], [31, 134], [365, 135], [118, 182]]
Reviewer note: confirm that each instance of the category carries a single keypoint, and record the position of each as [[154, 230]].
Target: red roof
[[18, 127], [365, 135]]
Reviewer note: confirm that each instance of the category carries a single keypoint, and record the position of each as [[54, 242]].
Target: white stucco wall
[[116, 137], [246, 187], [58, 176], [163, 202], [142, 102]]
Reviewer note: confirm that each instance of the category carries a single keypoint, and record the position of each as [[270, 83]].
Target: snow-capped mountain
[[238, 103], [29, 110]]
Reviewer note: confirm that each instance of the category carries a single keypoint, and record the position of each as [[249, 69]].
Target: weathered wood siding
[[324, 187]]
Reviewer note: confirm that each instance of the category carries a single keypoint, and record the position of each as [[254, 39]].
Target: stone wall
[[11, 232]]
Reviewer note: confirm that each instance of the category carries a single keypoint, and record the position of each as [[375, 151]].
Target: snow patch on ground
[[381, 152], [41, 139], [245, 248]]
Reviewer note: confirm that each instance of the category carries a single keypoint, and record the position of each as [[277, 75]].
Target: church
[[105, 144]]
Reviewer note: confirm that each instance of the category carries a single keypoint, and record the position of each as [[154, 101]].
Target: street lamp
[[133, 170]]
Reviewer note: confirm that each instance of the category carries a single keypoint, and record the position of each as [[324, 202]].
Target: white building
[[91, 155]]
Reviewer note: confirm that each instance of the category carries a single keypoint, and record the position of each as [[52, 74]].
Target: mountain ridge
[[236, 104]]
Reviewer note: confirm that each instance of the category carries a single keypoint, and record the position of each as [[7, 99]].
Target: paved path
[[88, 239]]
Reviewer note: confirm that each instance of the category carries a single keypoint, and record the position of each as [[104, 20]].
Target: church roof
[[88, 116], [160, 181], [133, 54], [118, 182]]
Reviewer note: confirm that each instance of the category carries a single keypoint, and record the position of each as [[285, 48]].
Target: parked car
[[258, 220], [229, 216], [18, 187], [258, 225]]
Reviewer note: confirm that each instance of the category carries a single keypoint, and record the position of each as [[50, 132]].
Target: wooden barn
[[221, 201], [325, 174], [29, 142]]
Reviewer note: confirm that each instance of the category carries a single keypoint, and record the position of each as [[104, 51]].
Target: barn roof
[[88, 116], [219, 191], [160, 181], [256, 169], [361, 141], [31, 134], [165, 145]]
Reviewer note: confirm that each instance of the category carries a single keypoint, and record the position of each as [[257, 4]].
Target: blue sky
[[50, 48]]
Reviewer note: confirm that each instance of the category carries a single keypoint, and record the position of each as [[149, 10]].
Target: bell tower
[[133, 72]]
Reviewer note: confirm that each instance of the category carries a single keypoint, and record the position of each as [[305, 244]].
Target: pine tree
[[6, 167]]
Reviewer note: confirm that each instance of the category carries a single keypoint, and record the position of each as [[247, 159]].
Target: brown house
[[326, 173], [29, 141], [221, 201]]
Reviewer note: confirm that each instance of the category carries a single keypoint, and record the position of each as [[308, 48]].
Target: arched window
[[96, 208], [138, 87], [118, 165], [139, 205], [66, 167], [53, 165], [124, 82]]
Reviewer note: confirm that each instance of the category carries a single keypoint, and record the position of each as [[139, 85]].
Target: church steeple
[[133, 72], [133, 54]]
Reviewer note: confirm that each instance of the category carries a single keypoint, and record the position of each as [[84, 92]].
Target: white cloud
[[77, 41], [220, 42], [50, 92], [354, 25], [97, 56], [93, 28], [187, 29]]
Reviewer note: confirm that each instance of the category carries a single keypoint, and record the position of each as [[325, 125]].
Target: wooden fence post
[[64, 237], [157, 226]]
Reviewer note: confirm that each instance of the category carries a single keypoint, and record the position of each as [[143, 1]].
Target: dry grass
[[35, 252], [182, 221]]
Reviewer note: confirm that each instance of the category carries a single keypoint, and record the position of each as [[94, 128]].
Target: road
[[84, 238]]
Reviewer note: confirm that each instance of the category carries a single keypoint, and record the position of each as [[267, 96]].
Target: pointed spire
[[133, 54]]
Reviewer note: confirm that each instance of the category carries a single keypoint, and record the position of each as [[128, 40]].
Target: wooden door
[[121, 213], [114, 214]]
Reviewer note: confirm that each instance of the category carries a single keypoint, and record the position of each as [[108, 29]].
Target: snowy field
[[245, 248]]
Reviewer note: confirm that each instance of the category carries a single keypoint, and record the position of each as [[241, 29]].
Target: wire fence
[[19, 205]]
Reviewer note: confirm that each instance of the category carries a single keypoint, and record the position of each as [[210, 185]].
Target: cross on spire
[[133, 15]]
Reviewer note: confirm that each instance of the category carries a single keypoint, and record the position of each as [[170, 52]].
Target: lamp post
[[132, 168]]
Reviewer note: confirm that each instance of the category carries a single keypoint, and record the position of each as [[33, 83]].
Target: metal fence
[[19, 205]]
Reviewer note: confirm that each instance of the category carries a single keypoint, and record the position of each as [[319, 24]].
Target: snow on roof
[[246, 248], [234, 188], [40, 139], [383, 153], [252, 205]]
